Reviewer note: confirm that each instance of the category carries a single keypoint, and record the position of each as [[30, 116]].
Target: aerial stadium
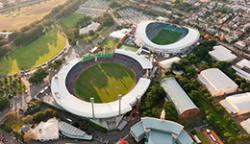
[[165, 38], [102, 87]]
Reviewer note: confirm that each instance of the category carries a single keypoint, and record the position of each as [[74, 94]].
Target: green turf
[[36, 53], [165, 37], [110, 43], [71, 20], [104, 82]]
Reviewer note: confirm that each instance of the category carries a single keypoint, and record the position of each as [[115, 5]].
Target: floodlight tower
[[120, 101], [92, 100]]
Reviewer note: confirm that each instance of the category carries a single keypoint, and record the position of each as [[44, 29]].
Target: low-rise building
[[184, 105], [242, 69], [158, 131], [216, 82], [246, 125], [237, 104], [91, 27], [220, 53]]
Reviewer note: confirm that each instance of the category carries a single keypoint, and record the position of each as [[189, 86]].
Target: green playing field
[[165, 37], [104, 82]]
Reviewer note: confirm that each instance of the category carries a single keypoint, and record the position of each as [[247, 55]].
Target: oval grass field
[[104, 82], [34, 54]]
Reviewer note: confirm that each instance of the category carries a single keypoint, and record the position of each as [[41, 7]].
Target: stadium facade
[[110, 114], [147, 30]]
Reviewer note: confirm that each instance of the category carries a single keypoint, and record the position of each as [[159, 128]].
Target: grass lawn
[[165, 37], [34, 54], [110, 43], [104, 82], [130, 48], [71, 20]]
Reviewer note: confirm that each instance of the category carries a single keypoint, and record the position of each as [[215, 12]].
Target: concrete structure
[[180, 46], [220, 53], [73, 132], [157, 131], [91, 27], [185, 107], [167, 63], [216, 82], [237, 104], [119, 34], [46, 131], [242, 69], [246, 125], [109, 114]]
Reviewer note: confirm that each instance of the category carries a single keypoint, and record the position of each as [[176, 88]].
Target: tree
[[38, 76], [4, 102]]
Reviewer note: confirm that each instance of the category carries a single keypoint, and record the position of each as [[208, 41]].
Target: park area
[[104, 82], [16, 20], [34, 54], [165, 37]]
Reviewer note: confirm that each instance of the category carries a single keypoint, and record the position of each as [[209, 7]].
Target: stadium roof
[[217, 82], [73, 132], [141, 39], [177, 95], [246, 125], [220, 53], [145, 63], [237, 104], [160, 131], [102, 110]]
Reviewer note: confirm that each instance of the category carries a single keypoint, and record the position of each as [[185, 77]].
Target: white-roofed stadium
[[163, 37], [62, 87]]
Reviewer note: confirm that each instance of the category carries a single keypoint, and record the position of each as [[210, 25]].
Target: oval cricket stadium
[[161, 37], [102, 87]]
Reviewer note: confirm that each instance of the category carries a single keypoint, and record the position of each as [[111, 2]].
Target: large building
[[216, 82], [107, 114], [164, 38], [220, 53], [246, 125], [242, 69], [237, 104], [183, 104], [157, 131]]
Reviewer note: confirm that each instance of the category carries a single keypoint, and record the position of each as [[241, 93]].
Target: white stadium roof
[[220, 53], [102, 110], [217, 82], [159, 131], [141, 39], [177, 95], [237, 104]]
